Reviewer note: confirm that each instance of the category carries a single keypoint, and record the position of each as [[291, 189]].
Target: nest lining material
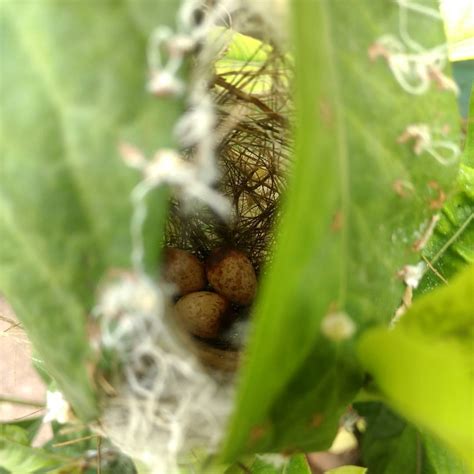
[[252, 104], [253, 153]]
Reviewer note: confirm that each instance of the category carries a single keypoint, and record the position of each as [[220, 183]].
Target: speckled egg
[[184, 270], [202, 313], [232, 275]]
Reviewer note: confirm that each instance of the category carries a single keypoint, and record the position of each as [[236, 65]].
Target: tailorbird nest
[[253, 110]]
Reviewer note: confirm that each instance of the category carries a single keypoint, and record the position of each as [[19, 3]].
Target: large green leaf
[[72, 88], [345, 232], [390, 445], [436, 392]]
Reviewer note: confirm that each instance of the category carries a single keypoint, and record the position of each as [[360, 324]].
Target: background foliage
[[65, 210]]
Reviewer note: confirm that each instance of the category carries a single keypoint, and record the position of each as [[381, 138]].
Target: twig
[[433, 269], [428, 232], [74, 441], [452, 239], [99, 454], [67, 430], [249, 98], [27, 415], [20, 401], [13, 326], [7, 320]]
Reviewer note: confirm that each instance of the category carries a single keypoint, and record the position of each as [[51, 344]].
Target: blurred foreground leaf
[[424, 367], [345, 230], [72, 88]]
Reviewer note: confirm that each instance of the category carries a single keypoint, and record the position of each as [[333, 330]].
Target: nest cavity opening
[[252, 104]]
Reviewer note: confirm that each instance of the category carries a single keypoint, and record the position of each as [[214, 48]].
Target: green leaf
[[30, 426], [441, 459], [435, 393], [242, 56], [18, 457], [345, 232], [76, 448], [445, 314], [242, 49], [451, 247], [348, 470], [313, 419], [389, 445], [72, 90]]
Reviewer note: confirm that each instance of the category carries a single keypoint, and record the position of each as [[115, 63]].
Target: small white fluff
[[163, 83], [57, 408], [338, 326], [412, 274]]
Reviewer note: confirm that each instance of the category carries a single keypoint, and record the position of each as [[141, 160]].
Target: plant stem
[[20, 401]]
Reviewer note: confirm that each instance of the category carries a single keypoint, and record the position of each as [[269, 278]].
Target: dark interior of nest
[[215, 264]]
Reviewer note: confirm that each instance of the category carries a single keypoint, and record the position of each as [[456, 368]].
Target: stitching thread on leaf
[[413, 66], [424, 141]]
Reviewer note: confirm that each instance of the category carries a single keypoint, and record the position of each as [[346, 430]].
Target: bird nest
[[166, 401], [253, 153], [253, 110]]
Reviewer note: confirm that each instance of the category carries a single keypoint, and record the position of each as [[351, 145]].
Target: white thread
[[414, 66], [424, 142], [166, 167], [414, 71], [409, 5], [406, 5], [167, 401], [412, 274]]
